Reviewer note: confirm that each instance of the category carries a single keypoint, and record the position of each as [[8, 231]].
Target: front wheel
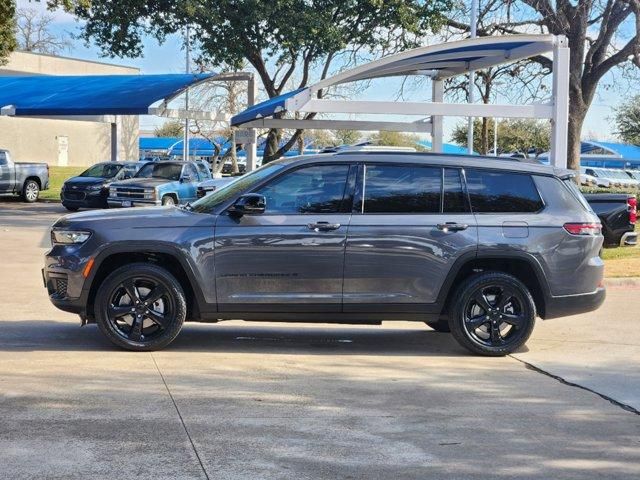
[[168, 201], [30, 191], [141, 307], [493, 314]]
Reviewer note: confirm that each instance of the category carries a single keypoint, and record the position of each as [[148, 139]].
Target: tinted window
[[164, 170], [102, 170], [454, 198], [318, 189], [402, 189], [502, 192]]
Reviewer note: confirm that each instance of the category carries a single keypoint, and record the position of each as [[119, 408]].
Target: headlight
[[95, 188], [150, 193], [69, 237]]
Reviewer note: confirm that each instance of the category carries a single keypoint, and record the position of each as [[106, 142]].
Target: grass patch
[[57, 176]]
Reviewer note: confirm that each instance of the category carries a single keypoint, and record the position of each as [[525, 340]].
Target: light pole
[[185, 139], [472, 30]]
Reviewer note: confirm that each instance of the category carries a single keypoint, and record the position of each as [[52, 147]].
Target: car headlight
[[69, 237], [150, 193], [97, 187]]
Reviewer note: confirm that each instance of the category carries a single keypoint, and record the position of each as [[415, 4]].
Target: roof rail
[[436, 154]]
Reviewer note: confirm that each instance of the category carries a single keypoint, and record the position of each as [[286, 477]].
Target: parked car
[[157, 183], [209, 186], [620, 175], [618, 215], [476, 245], [603, 179], [21, 178], [90, 189]]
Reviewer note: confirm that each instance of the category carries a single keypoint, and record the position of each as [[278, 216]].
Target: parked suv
[[478, 246]]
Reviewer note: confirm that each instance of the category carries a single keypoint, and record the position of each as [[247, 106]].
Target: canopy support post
[[437, 95], [560, 118], [250, 149], [115, 139]]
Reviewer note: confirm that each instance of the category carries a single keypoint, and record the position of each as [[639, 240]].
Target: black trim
[[574, 304]]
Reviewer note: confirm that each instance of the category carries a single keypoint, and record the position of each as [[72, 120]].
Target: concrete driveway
[[243, 400]]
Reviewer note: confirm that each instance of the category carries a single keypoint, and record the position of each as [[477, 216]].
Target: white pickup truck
[[24, 179]]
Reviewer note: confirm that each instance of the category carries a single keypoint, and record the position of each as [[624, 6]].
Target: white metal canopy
[[439, 62]]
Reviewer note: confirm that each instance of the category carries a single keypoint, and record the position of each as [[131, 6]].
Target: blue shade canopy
[[439, 61], [35, 95]]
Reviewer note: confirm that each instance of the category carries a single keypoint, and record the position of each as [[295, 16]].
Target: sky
[[170, 58]]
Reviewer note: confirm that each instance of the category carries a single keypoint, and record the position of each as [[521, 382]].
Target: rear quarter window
[[493, 191]]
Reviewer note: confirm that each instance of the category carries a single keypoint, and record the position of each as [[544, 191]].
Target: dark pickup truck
[[25, 179], [617, 213]]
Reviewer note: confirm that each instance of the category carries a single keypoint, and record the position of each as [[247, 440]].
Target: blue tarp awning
[[40, 95]]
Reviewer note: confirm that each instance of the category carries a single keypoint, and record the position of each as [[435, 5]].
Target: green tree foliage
[[395, 139], [513, 135], [287, 42], [627, 120], [7, 29], [173, 128], [346, 137]]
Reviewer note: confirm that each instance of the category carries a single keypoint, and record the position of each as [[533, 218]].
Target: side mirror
[[185, 178], [248, 204]]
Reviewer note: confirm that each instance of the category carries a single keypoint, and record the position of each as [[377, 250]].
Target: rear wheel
[[141, 307], [30, 191], [493, 315]]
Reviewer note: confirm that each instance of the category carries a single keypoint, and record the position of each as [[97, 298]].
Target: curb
[[622, 282]]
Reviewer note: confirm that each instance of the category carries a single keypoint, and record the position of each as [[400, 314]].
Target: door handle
[[452, 226], [323, 226]]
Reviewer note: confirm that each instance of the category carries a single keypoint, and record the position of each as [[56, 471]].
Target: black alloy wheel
[[141, 307], [494, 315]]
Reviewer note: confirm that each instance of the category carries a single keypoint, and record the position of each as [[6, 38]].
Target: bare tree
[[33, 33]]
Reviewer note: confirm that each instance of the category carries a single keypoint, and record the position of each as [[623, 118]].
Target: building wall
[[39, 140]]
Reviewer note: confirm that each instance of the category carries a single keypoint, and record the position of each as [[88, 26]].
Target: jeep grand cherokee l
[[478, 246]]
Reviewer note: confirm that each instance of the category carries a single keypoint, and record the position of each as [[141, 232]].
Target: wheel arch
[[523, 266], [35, 178], [165, 256]]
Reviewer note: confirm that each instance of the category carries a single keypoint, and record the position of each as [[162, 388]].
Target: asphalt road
[[240, 400]]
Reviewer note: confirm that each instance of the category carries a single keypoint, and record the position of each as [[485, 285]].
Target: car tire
[[30, 191], [493, 314], [168, 201], [71, 209], [124, 315], [441, 325]]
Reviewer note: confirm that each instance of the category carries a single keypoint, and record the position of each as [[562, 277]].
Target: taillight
[[632, 207], [583, 228]]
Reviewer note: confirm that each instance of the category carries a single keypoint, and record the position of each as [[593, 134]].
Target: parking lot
[[247, 400]]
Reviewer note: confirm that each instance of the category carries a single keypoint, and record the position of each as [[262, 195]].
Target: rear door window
[[402, 189], [494, 191]]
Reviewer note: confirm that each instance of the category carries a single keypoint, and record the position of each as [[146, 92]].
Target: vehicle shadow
[[35, 335]]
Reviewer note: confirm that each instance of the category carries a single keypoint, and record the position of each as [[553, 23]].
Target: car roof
[[429, 158]]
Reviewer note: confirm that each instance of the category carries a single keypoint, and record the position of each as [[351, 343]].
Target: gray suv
[[476, 246]]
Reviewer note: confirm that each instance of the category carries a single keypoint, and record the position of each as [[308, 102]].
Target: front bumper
[[88, 200], [120, 203], [566, 305]]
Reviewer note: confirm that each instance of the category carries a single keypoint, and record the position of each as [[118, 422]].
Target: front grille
[[74, 195], [57, 285], [127, 193], [61, 287]]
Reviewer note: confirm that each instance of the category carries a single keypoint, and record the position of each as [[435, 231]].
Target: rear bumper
[[574, 304]]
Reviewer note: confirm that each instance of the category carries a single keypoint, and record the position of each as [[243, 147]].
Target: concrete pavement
[[242, 400]]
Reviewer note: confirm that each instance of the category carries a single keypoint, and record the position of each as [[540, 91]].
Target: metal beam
[[437, 95], [433, 108], [115, 140], [560, 119], [250, 148], [421, 127]]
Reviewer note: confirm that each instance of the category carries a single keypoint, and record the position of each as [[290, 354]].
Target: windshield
[[166, 171], [208, 203], [102, 170]]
